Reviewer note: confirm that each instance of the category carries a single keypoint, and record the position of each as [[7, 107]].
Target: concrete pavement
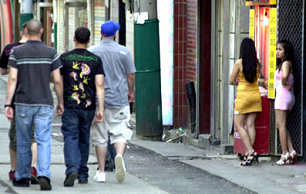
[[131, 185], [265, 177]]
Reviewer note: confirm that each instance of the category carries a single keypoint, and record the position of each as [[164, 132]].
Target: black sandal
[[245, 158], [249, 161]]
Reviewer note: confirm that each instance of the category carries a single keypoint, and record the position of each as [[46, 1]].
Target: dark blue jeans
[[76, 125]]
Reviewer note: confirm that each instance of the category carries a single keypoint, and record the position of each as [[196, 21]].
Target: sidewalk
[[265, 177], [131, 185]]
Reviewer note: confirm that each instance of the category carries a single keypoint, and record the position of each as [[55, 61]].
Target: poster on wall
[[165, 16], [251, 24], [272, 52]]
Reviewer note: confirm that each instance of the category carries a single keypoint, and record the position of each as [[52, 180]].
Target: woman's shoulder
[[286, 64], [238, 62]]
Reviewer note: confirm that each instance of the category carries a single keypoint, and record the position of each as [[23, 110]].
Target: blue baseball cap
[[109, 28]]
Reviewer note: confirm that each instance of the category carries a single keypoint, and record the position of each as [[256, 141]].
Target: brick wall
[[192, 11], [185, 49]]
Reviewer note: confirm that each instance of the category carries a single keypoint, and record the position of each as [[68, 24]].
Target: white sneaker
[[100, 177], [120, 169], [96, 174]]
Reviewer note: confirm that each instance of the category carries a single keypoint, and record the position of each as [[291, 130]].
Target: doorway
[[75, 16], [205, 68]]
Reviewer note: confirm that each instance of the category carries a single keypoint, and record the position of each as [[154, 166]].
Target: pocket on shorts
[[120, 115]]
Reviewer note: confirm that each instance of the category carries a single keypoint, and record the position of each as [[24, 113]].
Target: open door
[[205, 67]]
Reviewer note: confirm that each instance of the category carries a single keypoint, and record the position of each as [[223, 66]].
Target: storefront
[[271, 21]]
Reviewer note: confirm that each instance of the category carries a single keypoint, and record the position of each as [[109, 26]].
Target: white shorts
[[115, 124]]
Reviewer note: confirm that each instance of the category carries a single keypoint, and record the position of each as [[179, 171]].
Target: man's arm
[[4, 61], [100, 94], [11, 87], [5, 71], [58, 85], [131, 84]]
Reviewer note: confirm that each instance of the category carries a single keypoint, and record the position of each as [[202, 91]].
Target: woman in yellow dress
[[248, 101]]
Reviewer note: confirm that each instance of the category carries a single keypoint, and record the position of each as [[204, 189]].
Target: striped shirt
[[35, 61]]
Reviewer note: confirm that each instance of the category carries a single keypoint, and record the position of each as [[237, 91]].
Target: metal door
[[291, 25]]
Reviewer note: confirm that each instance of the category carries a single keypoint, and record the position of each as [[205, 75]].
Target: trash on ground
[[174, 135]]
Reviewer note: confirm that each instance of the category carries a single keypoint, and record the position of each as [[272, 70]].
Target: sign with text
[[272, 52], [251, 24]]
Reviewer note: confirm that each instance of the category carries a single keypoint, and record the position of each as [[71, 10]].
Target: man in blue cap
[[119, 92]]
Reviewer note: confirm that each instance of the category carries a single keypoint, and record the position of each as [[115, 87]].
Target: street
[[154, 171]]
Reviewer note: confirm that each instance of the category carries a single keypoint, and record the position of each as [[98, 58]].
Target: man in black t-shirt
[[6, 54], [12, 131], [83, 77]]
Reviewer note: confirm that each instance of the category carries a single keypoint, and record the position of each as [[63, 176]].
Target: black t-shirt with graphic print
[[6, 54], [79, 70], [5, 57]]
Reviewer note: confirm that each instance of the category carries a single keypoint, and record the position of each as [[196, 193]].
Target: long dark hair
[[249, 59], [289, 53]]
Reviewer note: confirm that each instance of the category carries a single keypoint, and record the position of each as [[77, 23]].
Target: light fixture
[[265, 19]]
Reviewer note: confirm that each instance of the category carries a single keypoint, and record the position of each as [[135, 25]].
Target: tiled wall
[[98, 19], [192, 12], [130, 33], [185, 36], [60, 27]]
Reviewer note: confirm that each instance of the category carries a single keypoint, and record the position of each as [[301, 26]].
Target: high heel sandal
[[245, 158], [281, 162], [249, 160], [293, 156]]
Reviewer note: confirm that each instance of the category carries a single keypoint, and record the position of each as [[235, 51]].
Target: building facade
[[206, 41]]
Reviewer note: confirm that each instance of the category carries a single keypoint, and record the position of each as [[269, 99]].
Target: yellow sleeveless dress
[[248, 98]]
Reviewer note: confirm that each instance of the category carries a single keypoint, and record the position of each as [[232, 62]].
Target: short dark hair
[[34, 26], [82, 35]]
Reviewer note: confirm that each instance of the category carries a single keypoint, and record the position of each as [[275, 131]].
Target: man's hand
[[5, 71], [9, 113], [131, 96], [59, 109], [99, 116]]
